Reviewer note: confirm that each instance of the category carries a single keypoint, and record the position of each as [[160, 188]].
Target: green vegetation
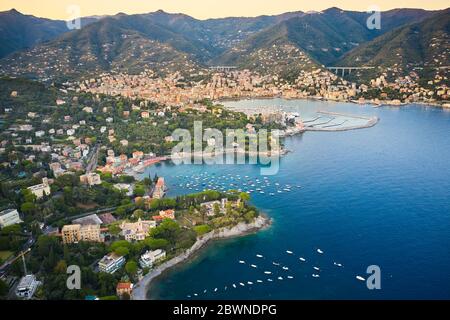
[[50, 258], [202, 229], [3, 288]]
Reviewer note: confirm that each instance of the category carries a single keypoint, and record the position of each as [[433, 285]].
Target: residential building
[[149, 258], [165, 214], [41, 190], [136, 231], [124, 288], [210, 206], [111, 263], [91, 179], [9, 217], [73, 233], [27, 287]]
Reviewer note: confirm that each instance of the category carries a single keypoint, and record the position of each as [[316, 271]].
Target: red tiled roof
[[123, 285]]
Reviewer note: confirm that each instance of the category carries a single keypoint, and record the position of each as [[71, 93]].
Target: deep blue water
[[371, 196]]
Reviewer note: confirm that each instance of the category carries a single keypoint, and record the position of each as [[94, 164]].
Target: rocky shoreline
[[141, 288]]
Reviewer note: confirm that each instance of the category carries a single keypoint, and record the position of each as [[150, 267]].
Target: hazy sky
[[202, 9]]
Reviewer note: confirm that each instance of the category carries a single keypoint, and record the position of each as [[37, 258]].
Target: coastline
[[141, 288], [376, 104]]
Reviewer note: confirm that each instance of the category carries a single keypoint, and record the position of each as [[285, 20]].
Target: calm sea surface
[[377, 196]]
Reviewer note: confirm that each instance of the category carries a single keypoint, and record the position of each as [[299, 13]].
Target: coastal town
[[90, 123], [317, 83], [83, 140]]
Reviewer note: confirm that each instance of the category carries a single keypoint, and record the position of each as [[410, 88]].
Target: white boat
[[289, 252], [253, 266], [234, 286], [188, 295], [249, 282], [360, 278], [280, 278], [195, 294], [316, 268], [270, 280], [290, 277], [319, 251], [259, 255], [241, 284], [337, 264], [267, 272], [315, 275], [204, 291], [285, 268], [259, 281], [241, 261], [215, 290], [275, 263], [302, 259]]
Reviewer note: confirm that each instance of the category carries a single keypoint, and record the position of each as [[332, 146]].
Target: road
[[92, 162]]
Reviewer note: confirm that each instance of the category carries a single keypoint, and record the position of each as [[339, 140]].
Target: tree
[[131, 267], [122, 251], [168, 229], [3, 288], [61, 267], [154, 244], [120, 243], [138, 213], [139, 190], [244, 196], [28, 207], [202, 229]]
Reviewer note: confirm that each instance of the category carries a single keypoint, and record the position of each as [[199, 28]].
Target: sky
[[202, 9]]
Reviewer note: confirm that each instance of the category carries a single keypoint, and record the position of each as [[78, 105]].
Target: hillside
[[19, 31], [281, 44], [425, 44], [325, 36]]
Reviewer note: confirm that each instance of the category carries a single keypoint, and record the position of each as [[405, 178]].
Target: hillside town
[[315, 83]]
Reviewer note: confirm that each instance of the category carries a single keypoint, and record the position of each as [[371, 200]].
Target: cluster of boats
[[225, 182], [278, 272]]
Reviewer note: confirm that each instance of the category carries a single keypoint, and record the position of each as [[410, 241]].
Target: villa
[[9, 217], [40, 190], [136, 231], [111, 263], [149, 258], [209, 206]]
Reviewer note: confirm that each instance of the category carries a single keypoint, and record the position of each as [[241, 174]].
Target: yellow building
[[73, 233]]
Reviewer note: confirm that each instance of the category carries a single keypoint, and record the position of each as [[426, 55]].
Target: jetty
[[369, 122]]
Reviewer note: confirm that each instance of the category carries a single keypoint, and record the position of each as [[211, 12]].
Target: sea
[[343, 202]]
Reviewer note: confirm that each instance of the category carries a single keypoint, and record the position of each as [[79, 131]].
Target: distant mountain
[[164, 42], [159, 40], [425, 43], [19, 31], [324, 36]]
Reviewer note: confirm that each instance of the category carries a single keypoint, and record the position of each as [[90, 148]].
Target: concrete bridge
[[336, 70]]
